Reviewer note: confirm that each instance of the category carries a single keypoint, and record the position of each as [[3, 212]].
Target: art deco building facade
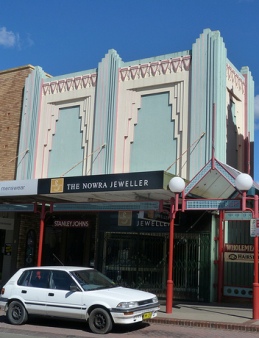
[[169, 113]]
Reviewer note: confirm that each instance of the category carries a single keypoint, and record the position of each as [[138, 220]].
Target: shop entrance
[[139, 260], [136, 260], [68, 246], [192, 266]]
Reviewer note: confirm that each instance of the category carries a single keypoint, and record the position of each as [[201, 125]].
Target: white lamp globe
[[176, 184], [244, 182]]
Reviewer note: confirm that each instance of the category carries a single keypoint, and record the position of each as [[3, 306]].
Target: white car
[[74, 293]]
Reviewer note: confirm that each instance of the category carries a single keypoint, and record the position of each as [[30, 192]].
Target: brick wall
[[11, 99]]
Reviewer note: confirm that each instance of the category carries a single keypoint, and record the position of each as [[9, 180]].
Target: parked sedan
[[74, 293]]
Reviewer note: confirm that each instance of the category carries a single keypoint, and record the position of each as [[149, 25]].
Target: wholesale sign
[[239, 253]]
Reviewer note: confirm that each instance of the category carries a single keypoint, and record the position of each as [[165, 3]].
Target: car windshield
[[92, 280]]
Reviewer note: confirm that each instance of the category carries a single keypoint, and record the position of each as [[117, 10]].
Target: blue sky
[[66, 36]]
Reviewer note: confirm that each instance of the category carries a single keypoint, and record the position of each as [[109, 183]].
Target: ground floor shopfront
[[126, 240], [132, 249], [129, 247]]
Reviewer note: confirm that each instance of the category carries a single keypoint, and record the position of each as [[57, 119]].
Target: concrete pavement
[[234, 316]]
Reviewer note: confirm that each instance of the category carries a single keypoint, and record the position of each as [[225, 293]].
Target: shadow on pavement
[[74, 325]]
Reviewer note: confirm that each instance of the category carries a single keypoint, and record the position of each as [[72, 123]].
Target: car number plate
[[147, 315]]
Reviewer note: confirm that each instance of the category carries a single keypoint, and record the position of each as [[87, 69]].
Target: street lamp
[[176, 185], [243, 183]]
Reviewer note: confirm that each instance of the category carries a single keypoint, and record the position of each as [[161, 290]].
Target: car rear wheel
[[17, 313], [100, 321]]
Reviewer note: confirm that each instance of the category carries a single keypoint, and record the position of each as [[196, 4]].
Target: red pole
[[220, 255], [255, 284], [169, 289], [42, 224]]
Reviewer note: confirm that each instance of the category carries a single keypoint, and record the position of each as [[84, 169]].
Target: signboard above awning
[[138, 186]]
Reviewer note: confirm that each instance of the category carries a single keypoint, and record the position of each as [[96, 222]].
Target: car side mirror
[[74, 288]]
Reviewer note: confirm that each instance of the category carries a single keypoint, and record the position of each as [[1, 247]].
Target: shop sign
[[239, 257], [211, 204], [239, 253], [71, 224], [100, 183], [238, 216], [18, 188], [125, 218], [149, 223], [239, 247], [8, 249], [254, 227]]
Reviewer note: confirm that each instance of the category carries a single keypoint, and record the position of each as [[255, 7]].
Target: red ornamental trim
[[69, 83], [176, 64], [154, 68], [61, 85], [144, 70], [134, 71], [165, 66], [53, 86], [93, 79], [85, 80], [186, 62], [77, 81], [123, 73], [45, 88]]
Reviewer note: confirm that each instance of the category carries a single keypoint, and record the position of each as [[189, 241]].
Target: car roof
[[62, 267]]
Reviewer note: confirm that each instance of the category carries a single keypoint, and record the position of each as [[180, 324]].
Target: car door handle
[[24, 291], [51, 294]]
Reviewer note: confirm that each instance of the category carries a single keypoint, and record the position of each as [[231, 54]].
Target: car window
[[61, 280], [25, 278], [35, 278], [92, 280]]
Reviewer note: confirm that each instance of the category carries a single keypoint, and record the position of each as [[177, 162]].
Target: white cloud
[[8, 38]]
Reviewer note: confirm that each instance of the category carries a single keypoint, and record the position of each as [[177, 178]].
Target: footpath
[[234, 316], [213, 315]]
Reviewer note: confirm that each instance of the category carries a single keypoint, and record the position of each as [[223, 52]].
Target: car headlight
[[127, 305], [155, 300]]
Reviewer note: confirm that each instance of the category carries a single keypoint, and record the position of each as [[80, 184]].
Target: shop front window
[[136, 260]]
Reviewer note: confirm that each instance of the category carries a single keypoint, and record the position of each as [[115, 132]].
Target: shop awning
[[139, 186], [215, 180]]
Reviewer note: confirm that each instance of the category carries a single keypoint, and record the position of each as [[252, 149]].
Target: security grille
[[139, 260], [136, 260], [192, 266]]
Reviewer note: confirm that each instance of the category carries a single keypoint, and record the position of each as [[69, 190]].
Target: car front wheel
[[100, 321], [17, 313]]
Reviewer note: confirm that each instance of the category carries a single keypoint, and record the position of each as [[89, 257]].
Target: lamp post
[[243, 183], [176, 185]]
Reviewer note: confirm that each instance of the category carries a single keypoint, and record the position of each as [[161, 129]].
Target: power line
[[74, 166], [23, 153], [196, 141]]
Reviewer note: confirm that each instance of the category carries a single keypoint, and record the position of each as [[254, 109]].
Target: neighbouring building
[[98, 137], [12, 82]]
